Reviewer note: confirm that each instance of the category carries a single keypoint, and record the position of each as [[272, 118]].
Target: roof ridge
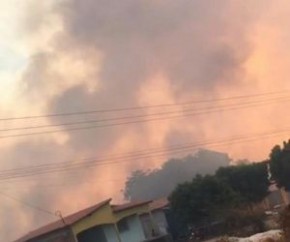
[[63, 222]]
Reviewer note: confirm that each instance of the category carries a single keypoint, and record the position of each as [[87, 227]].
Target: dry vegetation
[[285, 222], [284, 237]]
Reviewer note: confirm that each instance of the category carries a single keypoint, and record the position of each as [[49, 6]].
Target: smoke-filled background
[[75, 56]]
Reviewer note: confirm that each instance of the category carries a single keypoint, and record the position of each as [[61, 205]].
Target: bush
[[285, 222]]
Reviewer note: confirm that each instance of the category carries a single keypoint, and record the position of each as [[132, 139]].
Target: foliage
[[250, 181], [152, 184], [203, 199], [209, 197], [280, 165], [285, 222]]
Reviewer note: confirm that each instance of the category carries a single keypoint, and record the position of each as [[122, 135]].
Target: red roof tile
[[119, 208], [159, 204], [59, 224]]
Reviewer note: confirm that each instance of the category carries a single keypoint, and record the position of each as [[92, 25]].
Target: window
[[123, 225], [92, 235]]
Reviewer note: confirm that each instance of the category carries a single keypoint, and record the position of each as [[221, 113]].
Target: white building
[[131, 222]]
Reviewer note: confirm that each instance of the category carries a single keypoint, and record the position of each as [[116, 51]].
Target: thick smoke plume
[[100, 54], [154, 184]]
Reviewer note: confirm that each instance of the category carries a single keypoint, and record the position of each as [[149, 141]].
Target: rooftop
[[75, 217], [62, 223]]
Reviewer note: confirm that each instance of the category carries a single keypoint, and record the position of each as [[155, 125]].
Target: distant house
[[105, 223]]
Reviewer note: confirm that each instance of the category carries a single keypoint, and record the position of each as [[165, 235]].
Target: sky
[[74, 56]]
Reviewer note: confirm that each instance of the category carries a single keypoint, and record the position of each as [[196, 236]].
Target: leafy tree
[[205, 198], [280, 165], [250, 181]]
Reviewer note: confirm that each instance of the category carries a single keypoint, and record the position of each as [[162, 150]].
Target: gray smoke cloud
[[153, 184], [20, 196], [199, 46]]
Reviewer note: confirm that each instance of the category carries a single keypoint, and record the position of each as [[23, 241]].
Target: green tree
[[280, 165], [250, 181], [203, 199]]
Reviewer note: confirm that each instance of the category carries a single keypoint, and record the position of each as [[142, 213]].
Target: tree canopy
[[209, 197], [202, 199], [250, 181], [280, 165]]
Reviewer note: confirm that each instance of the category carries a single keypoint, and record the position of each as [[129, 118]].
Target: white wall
[[110, 233], [147, 225], [161, 221], [135, 232]]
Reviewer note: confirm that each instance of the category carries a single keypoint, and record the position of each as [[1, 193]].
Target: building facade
[[131, 222]]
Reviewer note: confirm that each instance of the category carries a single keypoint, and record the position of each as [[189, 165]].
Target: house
[[166, 220], [104, 222], [157, 215], [159, 209]]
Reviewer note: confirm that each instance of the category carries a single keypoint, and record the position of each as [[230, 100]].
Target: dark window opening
[[92, 235], [123, 225]]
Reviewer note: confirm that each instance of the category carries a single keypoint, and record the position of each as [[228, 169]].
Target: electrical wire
[[184, 112], [65, 167], [144, 107], [132, 122], [58, 168], [27, 204]]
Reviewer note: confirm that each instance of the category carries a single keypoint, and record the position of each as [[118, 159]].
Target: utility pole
[[58, 214]]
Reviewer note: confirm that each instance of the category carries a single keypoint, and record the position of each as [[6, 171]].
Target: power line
[[27, 204], [61, 184], [235, 107], [144, 107], [184, 112], [61, 167], [232, 141]]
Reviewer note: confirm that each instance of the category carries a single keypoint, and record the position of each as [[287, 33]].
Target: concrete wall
[[132, 211], [161, 221], [135, 230], [147, 225], [110, 233], [103, 215], [63, 235]]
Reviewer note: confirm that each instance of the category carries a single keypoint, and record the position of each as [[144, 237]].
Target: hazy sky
[[62, 56]]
